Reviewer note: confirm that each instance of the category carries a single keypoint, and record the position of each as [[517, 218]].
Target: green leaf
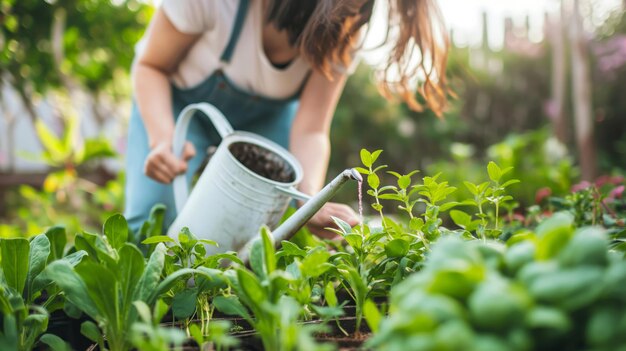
[[143, 310], [208, 242], [251, 287], [130, 269], [554, 233], [355, 241], [416, 224], [343, 226], [75, 289], [102, 288], [448, 205], [158, 239], [373, 181], [291, 249], [495, 173], [38, 257], [184, 303], [230, 305], [116, 230], [471, 187], [510, 182], [256, 258], [97, 148], [362, 170], [54, 342], [14, 253], [314, 264], [372, 315], [375, 155], [404, 181], [460, 218], [269, 253], [91, 331], [366, 158], [51, 143], [58, 239], [329, 294], [151, 275], [396, 248]]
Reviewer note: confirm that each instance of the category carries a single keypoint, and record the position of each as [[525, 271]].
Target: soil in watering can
[[263, 162]]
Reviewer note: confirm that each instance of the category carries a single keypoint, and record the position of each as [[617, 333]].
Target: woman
[[273, 67]]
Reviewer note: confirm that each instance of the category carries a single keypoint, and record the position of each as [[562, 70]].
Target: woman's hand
[[322, 219], [162, 165]]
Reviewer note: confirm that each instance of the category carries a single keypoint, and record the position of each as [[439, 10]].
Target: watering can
[[230, 202]]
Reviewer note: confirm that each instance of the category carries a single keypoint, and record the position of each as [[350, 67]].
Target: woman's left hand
[[322, 219]]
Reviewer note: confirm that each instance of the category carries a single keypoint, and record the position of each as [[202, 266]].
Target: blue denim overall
[[271, 118]]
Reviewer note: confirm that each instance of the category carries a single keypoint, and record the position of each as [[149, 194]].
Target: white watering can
[[230, 202]]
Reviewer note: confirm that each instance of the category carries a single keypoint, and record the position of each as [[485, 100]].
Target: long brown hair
[[326, 32]]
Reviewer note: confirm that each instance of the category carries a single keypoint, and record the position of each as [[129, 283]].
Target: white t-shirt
[[249, 68]]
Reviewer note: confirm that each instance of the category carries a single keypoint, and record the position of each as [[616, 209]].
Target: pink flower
[[606, 179], [542, 194], [617, 192], [581, 186]]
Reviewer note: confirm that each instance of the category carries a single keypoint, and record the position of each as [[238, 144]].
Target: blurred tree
[[83, 48]]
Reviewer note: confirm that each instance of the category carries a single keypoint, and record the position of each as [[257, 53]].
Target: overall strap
[[234, 35]]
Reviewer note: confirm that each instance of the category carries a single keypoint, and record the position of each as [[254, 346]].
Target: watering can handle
[[181, 188]]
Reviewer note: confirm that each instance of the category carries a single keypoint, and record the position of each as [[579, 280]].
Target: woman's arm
[[309, 142], [165, 48]]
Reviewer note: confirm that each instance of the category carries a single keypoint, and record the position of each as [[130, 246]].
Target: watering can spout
[[288, 228]]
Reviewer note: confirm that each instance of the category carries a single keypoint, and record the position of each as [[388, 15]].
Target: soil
[[263, 162]]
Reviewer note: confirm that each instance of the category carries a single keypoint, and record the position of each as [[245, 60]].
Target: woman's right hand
[[162, 165]]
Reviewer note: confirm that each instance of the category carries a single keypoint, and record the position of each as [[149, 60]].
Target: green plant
[[492, 192], [557, 287], [21, 285], [193, 298], [110, 279], [263, 291], [147, 335]]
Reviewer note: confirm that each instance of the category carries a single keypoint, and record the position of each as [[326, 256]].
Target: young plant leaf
[[343, 226], [495, 173], [329, 294], [251, 287], [375, 155], [130, 269], [75, 289], [151, 275], [460, 218], [366, 158], [102, 288], [54, 342], [314, 264], [373, 317], [396, 248], [91, 331], [184, 303], [158, 239], [256, 258], [230, 305], [14, 253], [269, 253], [38, 257], [58, 239], [373, 181], [116, 230]]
